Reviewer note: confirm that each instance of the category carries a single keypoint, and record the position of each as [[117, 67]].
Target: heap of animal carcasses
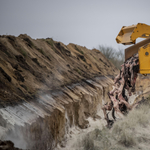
[[124, 81]]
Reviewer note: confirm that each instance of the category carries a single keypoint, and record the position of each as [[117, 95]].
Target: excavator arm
[[128, 35]]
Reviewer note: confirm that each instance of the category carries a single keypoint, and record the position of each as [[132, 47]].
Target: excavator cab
[[128, 35]]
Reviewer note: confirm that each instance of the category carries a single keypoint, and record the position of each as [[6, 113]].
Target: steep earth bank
[[47, 87], [45, 122]]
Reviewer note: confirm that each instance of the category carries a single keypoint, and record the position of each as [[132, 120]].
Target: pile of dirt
[[47, 87], [29, 66]]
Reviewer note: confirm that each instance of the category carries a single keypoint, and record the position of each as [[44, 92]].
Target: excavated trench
[[46, 122]]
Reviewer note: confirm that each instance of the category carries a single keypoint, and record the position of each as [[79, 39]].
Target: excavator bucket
[[129, 34]]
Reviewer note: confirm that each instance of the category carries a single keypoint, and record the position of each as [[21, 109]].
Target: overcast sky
[[87, 23]]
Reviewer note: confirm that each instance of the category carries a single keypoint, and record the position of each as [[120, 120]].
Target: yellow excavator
[[128, 35]]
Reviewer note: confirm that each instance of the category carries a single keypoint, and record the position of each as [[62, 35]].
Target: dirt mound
[[28, 66]]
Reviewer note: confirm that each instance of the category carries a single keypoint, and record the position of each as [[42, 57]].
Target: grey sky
[[83, 22]]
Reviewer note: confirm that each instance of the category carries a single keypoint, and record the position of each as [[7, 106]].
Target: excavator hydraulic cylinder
[[144, 59]]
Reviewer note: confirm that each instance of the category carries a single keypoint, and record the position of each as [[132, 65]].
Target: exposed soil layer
[[28, 66], [47, 87]]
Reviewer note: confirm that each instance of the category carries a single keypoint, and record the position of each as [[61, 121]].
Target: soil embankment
[[47, 87], [28, 66], [49, 90]]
